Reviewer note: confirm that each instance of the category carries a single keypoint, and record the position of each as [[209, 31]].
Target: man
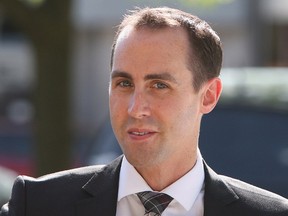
[[165, 66]]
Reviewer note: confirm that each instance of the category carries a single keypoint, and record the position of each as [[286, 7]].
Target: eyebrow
[[160, 76], [115, 74]]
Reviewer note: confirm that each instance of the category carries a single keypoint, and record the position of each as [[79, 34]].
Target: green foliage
[[205, 3], [186, 3], [33, 3]]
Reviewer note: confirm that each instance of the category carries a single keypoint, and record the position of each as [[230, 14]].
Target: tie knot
[[154, 202]]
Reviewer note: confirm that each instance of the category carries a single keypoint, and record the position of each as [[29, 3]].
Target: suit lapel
[[103, 189], [218, 194]]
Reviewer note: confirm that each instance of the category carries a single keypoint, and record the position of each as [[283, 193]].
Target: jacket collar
[[103, 188], [218, 194]]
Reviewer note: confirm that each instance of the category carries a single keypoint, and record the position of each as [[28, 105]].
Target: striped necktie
[[154, 202]]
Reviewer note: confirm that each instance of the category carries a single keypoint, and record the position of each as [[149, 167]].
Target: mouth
[[141, 133]]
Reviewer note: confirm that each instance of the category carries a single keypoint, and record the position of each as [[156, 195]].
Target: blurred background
[[54, 74]]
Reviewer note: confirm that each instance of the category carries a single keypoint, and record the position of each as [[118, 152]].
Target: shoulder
[[64, 183], [35, 196], [68, 176], [236, 197], [67, 181], [257, 199], [253, 192]]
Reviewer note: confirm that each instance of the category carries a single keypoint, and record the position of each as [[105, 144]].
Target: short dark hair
[[205, 59]]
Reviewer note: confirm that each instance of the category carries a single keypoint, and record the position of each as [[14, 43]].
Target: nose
[[138, 106]]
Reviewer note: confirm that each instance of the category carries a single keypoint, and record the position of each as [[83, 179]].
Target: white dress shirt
[[188, 192]]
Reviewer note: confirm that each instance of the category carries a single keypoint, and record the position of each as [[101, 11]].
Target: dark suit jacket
[[92, 191]]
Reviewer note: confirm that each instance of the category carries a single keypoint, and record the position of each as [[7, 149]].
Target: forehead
[[151, 47], [176, 34]]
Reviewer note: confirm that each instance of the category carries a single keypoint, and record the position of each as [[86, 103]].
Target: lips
[[136, 133], [139, 133]]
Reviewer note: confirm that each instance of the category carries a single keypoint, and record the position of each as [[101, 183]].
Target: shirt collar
[[131, 182]]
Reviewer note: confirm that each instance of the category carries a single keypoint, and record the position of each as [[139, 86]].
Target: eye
[[125, 84], [160, 85]]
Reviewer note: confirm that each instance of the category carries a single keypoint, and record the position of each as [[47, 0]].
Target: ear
[[211, 94]]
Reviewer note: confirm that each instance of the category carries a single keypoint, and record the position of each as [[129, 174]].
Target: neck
[[160, 176]]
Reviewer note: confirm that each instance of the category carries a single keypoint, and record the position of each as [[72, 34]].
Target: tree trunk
[[48, 28]]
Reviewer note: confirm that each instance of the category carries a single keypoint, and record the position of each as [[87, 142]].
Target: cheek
[[170, 114], [118, 109], [114, 109], [184, 113], [116, 102]]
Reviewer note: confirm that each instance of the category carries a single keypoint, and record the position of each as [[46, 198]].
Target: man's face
[[155, 112]]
